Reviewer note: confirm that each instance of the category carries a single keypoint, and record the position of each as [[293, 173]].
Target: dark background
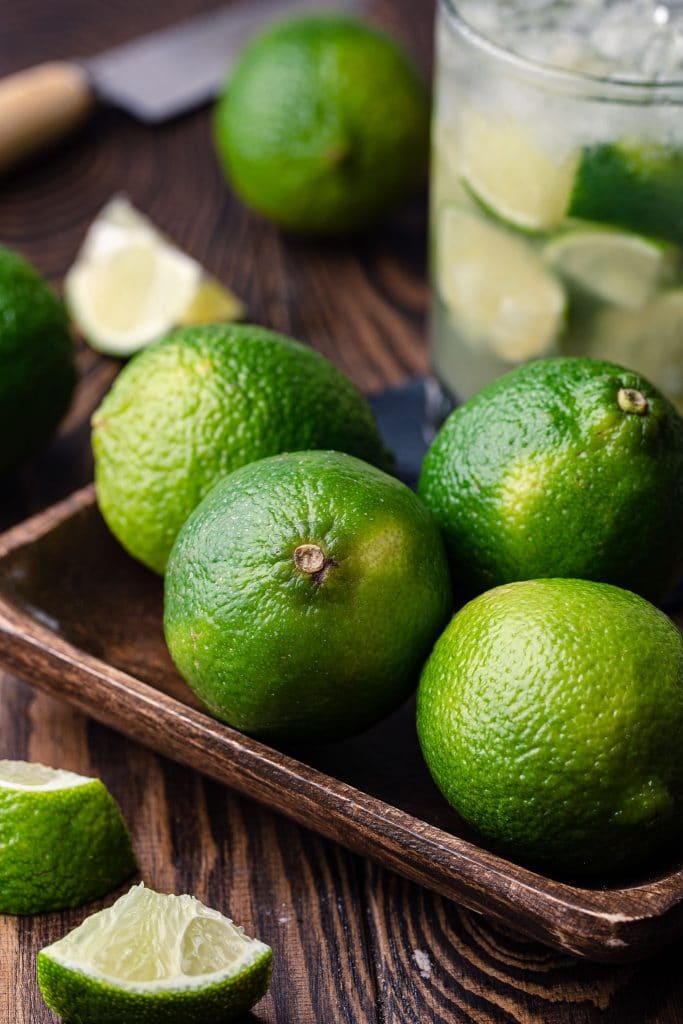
[[344, 932]]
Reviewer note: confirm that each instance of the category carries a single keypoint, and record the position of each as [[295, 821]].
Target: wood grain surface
[[353, 943]]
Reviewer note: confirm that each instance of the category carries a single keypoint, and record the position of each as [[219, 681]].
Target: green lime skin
[[61, 848], [563, 467], [303, 596], [632, 185], [324, 125], [80, 999], [204, 401], [550, 716], [37, 373]]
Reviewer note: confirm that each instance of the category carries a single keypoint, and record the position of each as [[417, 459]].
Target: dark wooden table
[[353, 943]]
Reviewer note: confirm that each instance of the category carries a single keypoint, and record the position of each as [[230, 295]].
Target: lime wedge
[[633, 185], [152, 957], [650, 341], [512, 176], [497, 288], [63, 841], [130, 285], [622, 269]]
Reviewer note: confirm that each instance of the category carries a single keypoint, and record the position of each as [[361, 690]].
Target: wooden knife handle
[[40, 106]]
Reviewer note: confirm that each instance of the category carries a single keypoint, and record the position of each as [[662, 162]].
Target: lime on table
[[562, 467], [130, 285], [63, 841], [620, 268], [303, 595], [550, 716], [497, 288], [324, 125], [37, 373], [512, 175], [634, 185], [206, 400], [155, 958]]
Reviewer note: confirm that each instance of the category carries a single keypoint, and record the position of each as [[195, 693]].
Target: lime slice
[[650, 341], [512, 176], [152, 957], [622, 269], [130, 285], [497, 289], [63, 841], [633, 185]]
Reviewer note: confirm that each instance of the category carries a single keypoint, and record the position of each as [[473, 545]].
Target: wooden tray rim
[[616, 925]]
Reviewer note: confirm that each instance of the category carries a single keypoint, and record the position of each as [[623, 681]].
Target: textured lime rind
[[60, 847], [550, 716], [82, 999], [323, 125], [37, 373], [543, 474], [204, 401], [283, 654]]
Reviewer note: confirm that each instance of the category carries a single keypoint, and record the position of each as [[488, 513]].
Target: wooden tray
[[81, 620]]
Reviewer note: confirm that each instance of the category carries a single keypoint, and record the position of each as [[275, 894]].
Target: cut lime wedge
[[152, 957], [622, 269], [634, 185], [496, 287], [130, 285], [649, 341], [63, 841], [512, 176]]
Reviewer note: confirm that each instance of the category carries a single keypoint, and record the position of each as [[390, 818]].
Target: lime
[[496, 287], [563, 467], [304, 594], [154, 958], [205, 400], [634, 185], [512, 176], [324, 125], [63, 841], [650, 340], [550, 716], [613, 266], [37, 373], [130, 285]]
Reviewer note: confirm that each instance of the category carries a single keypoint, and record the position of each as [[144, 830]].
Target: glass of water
[[557, 187]]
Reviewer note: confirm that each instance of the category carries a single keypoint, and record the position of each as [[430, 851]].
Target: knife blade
[[154, 78]]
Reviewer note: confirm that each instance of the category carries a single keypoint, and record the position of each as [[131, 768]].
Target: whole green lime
[[563, 467], [204, 401], [37, 373], [304, 594], [550, 716], [324, 125]]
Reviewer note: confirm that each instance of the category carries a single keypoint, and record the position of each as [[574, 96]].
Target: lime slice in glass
[[512, 176], [498, 291], [633, 185], [152, 957], [622, 269], [650, 341], [63, 841], [130, 285]]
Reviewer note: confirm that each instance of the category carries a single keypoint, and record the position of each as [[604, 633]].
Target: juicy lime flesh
[[543, 474], [37, 374], [201, 403], [324, 125], [63, 841], [549, 715], [305, 653], [152, 957]]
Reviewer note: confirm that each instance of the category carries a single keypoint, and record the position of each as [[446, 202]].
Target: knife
[[154, 78]]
